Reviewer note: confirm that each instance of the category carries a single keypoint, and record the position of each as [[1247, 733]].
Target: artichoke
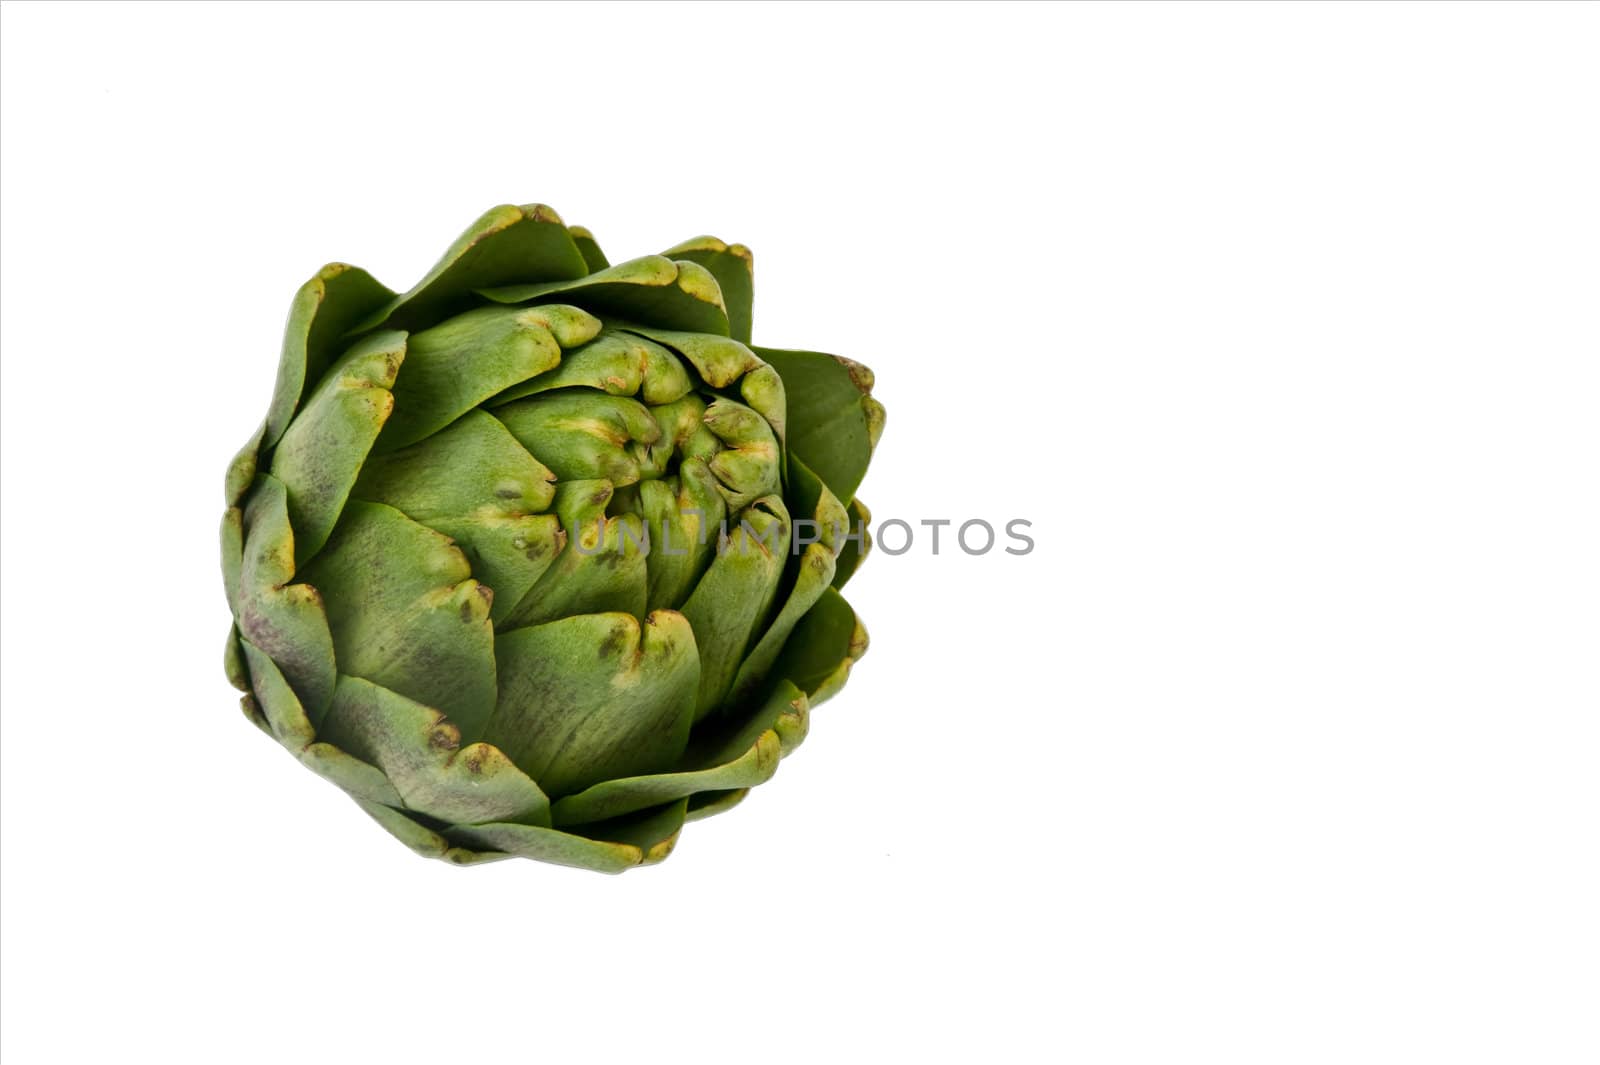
[[542, 558]]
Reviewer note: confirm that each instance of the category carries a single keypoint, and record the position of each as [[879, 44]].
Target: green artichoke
[[542, 558]]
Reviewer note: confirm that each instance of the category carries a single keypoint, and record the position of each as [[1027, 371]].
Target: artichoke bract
[[542, 557]]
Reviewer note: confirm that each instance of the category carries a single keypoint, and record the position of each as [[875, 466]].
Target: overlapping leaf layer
[[541, 557]]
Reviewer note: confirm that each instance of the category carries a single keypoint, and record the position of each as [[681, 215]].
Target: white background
[[1279, 323]]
